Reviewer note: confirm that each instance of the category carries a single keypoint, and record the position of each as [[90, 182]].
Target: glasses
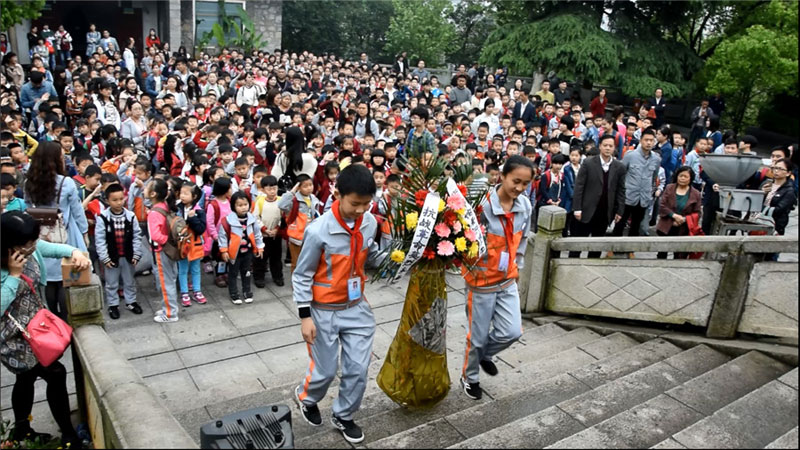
[[27, 250], [779, 169]]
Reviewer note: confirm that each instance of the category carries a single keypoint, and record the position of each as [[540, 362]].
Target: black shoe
[[113, 312], [134, 308], [489, 367], [351, 432], [279, 282], [23, 433], [473, 390], [260, 283], [310, 413]]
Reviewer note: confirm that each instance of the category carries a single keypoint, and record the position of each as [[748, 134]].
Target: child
[[241, 178], [166, 269], [570, 176], [189, 208], [301, 207], [239, 241], [8, 184], [493, 173], [118, 241], [492, 295], [218, 208], [333, 316], [551, 185], [14, 125], [269, 216], [392, 192]]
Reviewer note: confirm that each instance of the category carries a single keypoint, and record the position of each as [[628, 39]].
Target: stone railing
[[732, 289], [120, 410]]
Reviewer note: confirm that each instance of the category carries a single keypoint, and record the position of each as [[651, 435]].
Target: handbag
[[763, 218], [51, 220], [43, 341]]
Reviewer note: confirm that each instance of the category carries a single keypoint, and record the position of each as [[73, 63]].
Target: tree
[[474, 21], [237, 31], [326, 26], [757, 65], [421, 28], [13, 12]]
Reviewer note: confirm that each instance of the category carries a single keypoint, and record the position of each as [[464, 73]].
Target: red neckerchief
[[507, 221], [356, 240]]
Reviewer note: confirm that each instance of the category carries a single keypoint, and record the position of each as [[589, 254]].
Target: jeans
[[63, 56], [242, 266], [185, 268]]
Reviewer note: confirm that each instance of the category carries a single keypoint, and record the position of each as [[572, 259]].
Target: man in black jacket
[[524, 110], [599, 194]]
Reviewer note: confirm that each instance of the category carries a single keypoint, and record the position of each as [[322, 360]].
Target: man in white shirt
[[248, 94], [489, 117]]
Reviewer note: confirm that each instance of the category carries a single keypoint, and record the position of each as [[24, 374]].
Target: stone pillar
[[174, 21], [267, 17], [551, 223], [187, 26], [731, 295]]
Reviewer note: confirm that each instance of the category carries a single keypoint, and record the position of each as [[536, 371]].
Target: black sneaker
[[279, 282], [489, 367], [113, 312], [134, 308], [473, 390], [351, 432], [310, 413], [260, 283]]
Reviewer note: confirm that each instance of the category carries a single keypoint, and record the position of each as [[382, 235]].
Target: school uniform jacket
[[231, 241], [305, 214], [485, 273], [324, 264], [105, 241]]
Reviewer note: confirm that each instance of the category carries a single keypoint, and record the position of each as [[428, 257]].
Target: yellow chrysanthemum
[[442, 205], [461, 212], [473, 250], [411, 220], [398, 256], [461, 244]]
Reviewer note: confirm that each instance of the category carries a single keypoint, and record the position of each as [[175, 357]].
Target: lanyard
[[356, 240]]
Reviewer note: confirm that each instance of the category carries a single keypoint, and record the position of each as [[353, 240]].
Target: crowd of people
[[178, 165]]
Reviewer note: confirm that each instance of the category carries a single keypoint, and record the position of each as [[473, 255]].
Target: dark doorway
[[119, 18]]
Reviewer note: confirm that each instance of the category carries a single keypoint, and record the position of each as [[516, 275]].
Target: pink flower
[[483, 229], [470, 235], [442, 230], [445, 248], [457, 227], [456, 202]]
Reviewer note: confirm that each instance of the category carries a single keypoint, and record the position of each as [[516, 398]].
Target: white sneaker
[[236, 300], [248, 298], [162, 318]]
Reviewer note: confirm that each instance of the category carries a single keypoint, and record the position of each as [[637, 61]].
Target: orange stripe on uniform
[[304, 394], [163, 286], [469, 333]]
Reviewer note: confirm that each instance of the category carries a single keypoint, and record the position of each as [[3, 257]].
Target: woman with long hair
[[173, 86], [24, 274], [47, 186], [152, 39], [294, 159], [103, 100], [130, 92], [76, 101], [192, 89]]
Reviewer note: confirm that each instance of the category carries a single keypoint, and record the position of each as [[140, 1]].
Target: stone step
[[520, 355], [788, 440], [655, 420], [588, 408], [753, 421], [524, 399]]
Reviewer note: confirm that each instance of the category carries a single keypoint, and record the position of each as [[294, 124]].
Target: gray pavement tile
[[261, 316], [172, 388], [267, 340], [230, 371], [292, 357], [191, 421], [215, 351], [207, 327], [157, 364], [141, 339]]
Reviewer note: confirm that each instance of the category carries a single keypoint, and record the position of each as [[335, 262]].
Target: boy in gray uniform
[[328, 285]]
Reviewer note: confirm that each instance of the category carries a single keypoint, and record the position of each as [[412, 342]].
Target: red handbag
[[693, 222], [46, 333]]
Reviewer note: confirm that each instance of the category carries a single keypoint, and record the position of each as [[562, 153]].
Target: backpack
[[179, 242], [51, 220]]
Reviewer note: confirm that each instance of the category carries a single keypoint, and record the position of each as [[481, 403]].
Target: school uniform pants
[[188, 268], [124, 270], [351, 331], [166, 274], [271, 258], [495, 323], [242, 267], [294, 251]]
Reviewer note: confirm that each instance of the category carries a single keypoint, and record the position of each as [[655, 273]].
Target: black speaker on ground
[[266, 427]]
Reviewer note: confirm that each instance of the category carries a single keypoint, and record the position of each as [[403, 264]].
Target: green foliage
[[474, 21], [755, 66], [570, 44], [327, 26], [13, 12], [245, 36], [7, 431], [421, 28]]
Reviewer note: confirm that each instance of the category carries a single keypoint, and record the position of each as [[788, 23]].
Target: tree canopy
[[13, 12], [421, 28]]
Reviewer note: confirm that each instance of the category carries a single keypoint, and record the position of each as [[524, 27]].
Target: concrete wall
[[268, 19], [733, 289]]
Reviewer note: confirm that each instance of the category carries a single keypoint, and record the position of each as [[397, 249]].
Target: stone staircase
[[576, 388]]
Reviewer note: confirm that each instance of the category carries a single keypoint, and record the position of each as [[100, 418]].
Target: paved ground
[[220, 352]]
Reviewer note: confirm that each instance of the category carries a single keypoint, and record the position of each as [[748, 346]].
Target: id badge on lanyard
[[354, 288]]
